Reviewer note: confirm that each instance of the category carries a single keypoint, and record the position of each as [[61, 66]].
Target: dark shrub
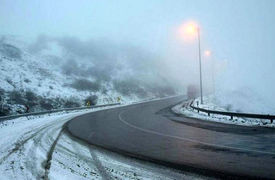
[[70, 103], [10, 51], [92, 99], [4, 110], [130, 87], [163, 91], [85, 85], [46, 104], [2, 92], [70, 67], [30, 96], [31, 99], [11, 82], [104, 90], [44, 72], [58, 103], [228, 107], [16, 97], [27, 80], [101, 73]]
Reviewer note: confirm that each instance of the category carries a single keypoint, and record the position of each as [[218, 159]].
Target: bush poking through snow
[[27, 81], [10, 51], [70, 103], [16, 97], [92, 100], [46, 104], [85, 85]]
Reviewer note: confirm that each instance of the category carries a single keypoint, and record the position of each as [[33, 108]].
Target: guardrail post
[[232, 114]]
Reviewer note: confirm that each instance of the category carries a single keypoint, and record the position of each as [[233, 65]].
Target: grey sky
[[240, 31], [232, 28]]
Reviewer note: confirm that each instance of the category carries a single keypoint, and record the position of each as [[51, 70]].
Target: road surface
[[37, 147], [151, 131]]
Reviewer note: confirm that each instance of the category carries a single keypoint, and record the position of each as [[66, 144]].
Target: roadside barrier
[[234, 114], [53, 111]]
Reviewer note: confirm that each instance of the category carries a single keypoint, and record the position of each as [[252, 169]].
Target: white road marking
[[188, 139]]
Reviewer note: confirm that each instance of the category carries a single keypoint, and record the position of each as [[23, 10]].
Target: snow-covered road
[[39, 148]]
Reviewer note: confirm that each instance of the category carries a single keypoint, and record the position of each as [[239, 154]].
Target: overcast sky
[[239, 31], [229, 27]]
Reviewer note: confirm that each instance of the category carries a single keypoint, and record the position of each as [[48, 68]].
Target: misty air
[[175, 89]]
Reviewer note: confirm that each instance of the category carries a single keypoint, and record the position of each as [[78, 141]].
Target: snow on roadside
[[26, 142], [77, 160], [208, 104]]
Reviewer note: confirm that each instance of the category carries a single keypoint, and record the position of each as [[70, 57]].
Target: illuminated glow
[[188, 31], [207, 53], [191, 29]]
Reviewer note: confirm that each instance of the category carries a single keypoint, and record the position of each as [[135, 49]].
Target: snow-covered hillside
[[26, 79], [55, 73]]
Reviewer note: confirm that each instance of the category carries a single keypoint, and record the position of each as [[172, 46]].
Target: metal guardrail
[[53, 111], [234, 114]]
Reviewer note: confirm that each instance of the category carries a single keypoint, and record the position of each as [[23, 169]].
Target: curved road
[[153, 132]]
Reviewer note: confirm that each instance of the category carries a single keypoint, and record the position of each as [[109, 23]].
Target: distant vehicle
[[192, 91]]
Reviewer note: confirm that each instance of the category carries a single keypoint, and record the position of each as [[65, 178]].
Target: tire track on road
[[50, 155], [20, 143]]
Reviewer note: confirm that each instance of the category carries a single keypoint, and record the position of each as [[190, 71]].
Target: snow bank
[[209, 104]]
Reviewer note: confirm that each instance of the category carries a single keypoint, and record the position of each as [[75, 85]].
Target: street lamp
[[192, 29], [207, 53]]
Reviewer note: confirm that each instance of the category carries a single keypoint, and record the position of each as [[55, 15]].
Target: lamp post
[[191, 30], [199, 46]]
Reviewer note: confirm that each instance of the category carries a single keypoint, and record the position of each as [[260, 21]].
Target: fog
[[137, 43], [99, 63]]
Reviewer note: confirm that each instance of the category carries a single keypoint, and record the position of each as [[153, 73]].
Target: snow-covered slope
[[23, 75], [46, 76], [28, 73]]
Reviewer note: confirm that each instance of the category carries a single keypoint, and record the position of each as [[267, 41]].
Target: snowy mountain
[[46, 75]]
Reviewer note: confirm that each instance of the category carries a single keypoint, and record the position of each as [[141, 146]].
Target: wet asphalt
[[151, 131]]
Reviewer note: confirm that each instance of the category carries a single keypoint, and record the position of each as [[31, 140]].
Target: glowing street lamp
[[193, 29], [207, 53]]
